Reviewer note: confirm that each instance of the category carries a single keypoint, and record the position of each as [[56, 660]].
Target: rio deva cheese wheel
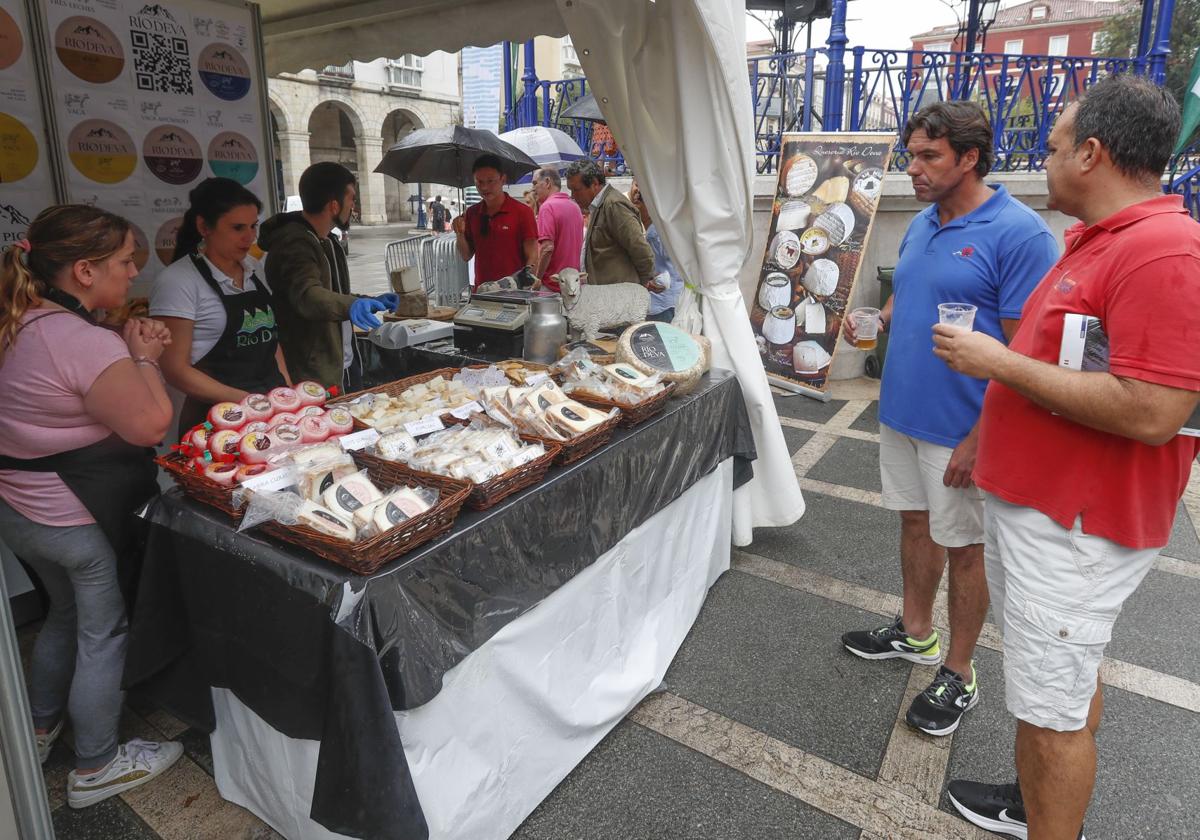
[[657, 348], [284, 399], [313, 429], [286, 435], [311, 393], [221, 473], [246, 471], [198, 437], [341, 421], [289, 417], [256, 447], [311, 411], [257, 407], [224, 443], [227, 415], [255, 426]]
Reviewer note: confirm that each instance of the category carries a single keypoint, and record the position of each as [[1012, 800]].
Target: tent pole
[[1162, 42], [835, 70], [529, 96], [1147, 28], [508, 87]]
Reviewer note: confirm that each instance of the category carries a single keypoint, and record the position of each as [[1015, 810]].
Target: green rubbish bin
[[875, 362]]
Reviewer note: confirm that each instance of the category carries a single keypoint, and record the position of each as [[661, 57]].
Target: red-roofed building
[[1038, 27]]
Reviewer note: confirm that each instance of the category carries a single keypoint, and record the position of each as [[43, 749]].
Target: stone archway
[[395, 126], [335, 128]]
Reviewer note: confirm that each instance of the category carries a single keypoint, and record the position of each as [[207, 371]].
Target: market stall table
[[433, 691]]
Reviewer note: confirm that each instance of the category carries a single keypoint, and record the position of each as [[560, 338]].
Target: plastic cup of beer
[[866, 327], [957, 315]]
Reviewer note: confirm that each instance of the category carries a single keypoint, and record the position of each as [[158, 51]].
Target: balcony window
[[1058, 45], [339, 71], [1014, 47], [1097, 42], [405, 72]]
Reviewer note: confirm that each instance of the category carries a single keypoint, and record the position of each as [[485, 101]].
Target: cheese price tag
[[464, 411], [359, 440], [272, 481], [424, 426], [536, 380]]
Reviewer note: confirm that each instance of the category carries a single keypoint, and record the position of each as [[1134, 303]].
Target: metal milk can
[[545, 331]]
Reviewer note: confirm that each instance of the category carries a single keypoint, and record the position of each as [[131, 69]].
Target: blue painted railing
[[551, 98]]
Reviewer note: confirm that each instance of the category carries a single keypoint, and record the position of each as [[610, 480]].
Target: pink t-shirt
[[559, 221], [44, 378]]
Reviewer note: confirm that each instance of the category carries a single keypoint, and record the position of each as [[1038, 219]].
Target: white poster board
[[26, 176], [149, 99]]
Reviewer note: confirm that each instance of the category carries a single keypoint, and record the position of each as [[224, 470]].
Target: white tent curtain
[[670, 77], [671, 80]]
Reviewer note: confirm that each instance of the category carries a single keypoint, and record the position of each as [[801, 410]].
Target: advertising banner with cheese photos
[[151, 99], [26, 176], [825, 203]]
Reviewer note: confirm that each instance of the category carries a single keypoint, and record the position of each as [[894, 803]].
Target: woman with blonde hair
[[82, 404]]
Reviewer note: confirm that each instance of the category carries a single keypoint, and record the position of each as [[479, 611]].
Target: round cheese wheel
[[256, 447], [311, 411], [257, 407], [198, 437], [227, 415], [341, 421], [657, 348], [286, 435], [221, 473], [255, 426], [224, 444], [284, 399], [313, 429], [288, 417], [251, 470], [311, 393]]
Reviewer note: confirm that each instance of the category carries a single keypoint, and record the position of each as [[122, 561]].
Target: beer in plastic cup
[[866, 327], [957, 314]]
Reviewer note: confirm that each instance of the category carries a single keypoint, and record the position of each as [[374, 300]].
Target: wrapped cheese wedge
[[629, 375], [399, 506], [574, 418], [312, 393], [317, 478], [326, 521], [284, 399], [348, 494], [257, 407], [309, 456], [227, 415], [395, 445]]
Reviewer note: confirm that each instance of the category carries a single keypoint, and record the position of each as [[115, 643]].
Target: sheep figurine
[[590, 309]]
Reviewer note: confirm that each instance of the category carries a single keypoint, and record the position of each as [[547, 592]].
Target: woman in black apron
[[83, 406], [218, 232]]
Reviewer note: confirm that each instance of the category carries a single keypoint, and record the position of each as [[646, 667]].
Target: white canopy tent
[[670, 77]]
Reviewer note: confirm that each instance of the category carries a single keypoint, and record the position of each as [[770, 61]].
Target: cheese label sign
[[359, 440], [424, 426], [664, 347], [272, 481], [464, 411]]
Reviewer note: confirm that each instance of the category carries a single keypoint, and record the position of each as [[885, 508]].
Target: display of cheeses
[[474, 453], [619, 382], [385, 412], [660, 349]]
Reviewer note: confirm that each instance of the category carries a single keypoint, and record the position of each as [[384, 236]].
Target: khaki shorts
[[911, 472], [1055, 595]]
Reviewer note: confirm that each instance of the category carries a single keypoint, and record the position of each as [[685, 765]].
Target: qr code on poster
[[161, 63]]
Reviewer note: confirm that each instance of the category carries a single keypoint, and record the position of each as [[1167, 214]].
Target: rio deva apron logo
[[253, 327]]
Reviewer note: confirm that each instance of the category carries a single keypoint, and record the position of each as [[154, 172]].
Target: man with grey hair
[[1083, 469], [560, 228], [616, 250]]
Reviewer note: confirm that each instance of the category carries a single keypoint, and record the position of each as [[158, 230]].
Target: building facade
[[353, 113], [1037, 27]]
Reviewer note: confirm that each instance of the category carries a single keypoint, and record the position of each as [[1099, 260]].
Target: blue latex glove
[[360, 313], [391, 300]]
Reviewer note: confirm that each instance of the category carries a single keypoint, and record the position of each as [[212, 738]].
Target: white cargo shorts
[[1055, 595], [911, 472]]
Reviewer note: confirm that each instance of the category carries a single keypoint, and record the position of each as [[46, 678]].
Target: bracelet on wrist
[[146, 360]]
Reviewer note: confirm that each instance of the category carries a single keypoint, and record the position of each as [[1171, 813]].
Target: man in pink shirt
[[560, 228]]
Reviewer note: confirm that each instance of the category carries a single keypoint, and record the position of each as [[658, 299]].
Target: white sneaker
[[46, 742], [136, 763]]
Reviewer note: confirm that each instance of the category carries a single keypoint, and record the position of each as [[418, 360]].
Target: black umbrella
[[446, 155], [583, 108]]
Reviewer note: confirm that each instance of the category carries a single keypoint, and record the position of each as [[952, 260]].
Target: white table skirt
[[518, 714]]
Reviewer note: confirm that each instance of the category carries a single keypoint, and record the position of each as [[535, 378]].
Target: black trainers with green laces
[[938, 709], [892, 642]]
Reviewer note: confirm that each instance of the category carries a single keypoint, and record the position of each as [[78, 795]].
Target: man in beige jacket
[[615, 248]]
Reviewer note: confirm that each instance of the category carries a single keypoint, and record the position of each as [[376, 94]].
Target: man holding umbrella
[[499, 232]]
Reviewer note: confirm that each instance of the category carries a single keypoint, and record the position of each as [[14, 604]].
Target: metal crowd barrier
[[443, 271], [402, 253]]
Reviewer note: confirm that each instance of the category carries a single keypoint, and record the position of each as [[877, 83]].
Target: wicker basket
[[199, 486], [490, 493], [366, 556], [632, 414]]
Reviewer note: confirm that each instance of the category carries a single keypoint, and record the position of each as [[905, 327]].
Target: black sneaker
[[938, 709], [996, 808], [892, 642]]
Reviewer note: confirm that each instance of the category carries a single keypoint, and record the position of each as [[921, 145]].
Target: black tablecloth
[[322, 653]]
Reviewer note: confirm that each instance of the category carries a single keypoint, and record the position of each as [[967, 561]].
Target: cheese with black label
[[348, 494], [656, 348], [574, 418], [326, 521], [629, 375]]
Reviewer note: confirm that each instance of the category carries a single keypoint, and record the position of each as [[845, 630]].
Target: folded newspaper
[[1085, 347]]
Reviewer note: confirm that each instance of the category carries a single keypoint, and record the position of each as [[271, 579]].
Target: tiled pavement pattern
[[765, 728]]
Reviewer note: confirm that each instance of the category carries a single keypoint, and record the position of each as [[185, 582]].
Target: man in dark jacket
[[307, 273]]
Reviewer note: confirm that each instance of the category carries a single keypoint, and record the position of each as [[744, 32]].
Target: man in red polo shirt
[[1084, 469], [499, 232]]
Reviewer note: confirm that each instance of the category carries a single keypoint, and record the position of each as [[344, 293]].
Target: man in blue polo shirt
[[974, 244]]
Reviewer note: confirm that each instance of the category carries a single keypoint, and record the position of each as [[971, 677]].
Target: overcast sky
[[880, 23]]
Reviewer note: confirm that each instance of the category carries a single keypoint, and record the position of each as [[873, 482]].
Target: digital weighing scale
[[494, 322], [394, 335]]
